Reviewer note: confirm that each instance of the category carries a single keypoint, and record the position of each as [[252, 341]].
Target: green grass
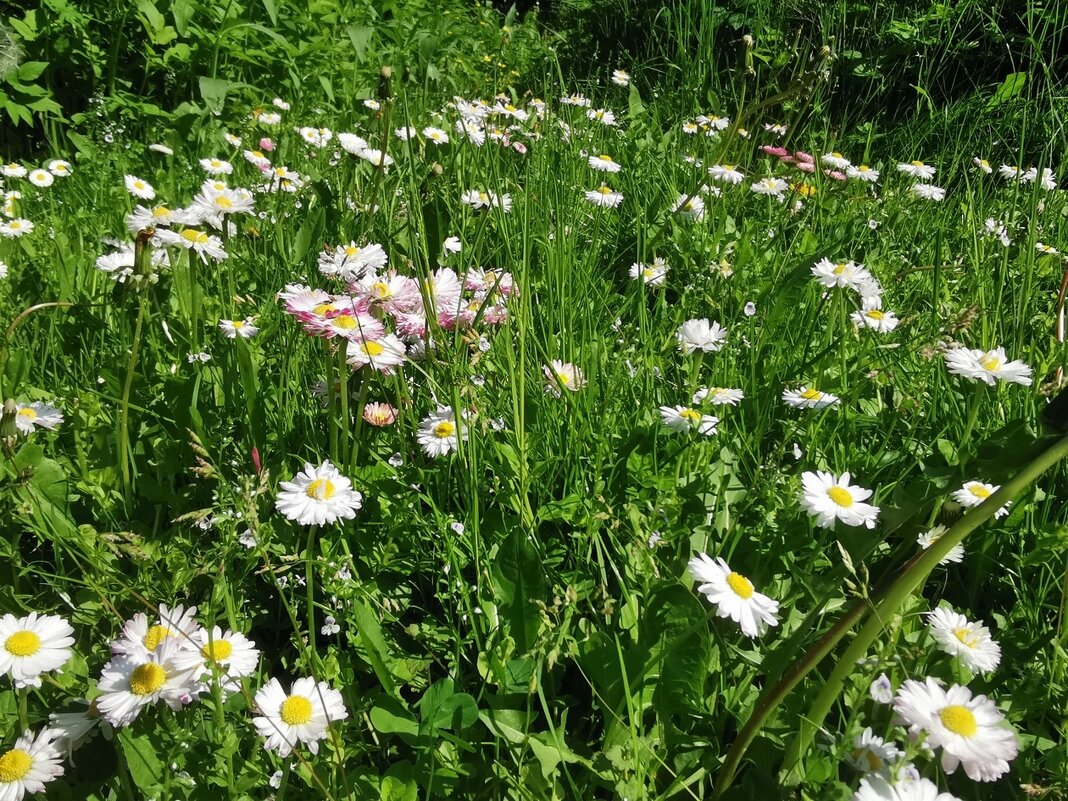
[[516, 619]]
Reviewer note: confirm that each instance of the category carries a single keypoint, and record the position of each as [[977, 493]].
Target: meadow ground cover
[[463, 428]]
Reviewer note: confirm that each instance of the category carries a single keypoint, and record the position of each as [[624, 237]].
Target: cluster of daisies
[[12, 223], [169, 658]]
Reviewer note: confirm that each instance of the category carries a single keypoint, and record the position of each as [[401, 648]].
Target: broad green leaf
[[519, 582]]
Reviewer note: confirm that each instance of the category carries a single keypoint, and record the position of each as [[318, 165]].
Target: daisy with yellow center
[[872, 316], [318, 496], [440, 433], [604, 163], [128, 685], [871, 753], [140, 638], [384, 354], [29, 764], [829, 499], [303, 715], [988, 366], [970, 642], [561, 375], [229, 655], [974, 493], [604, 196], [33, 645], [970, 731], [682, 419], [809, 398], [733, 595]]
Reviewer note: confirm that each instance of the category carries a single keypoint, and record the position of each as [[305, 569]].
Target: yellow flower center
[[296, 710], [381, 290], [217, 650], [990, 362], [605, 158], [22, 643], [16, 225], [959, 720], [483, 197], [351, 252], [28, 413], [322, 489], [840, 497], [258, 154], [444, 429], [604, 190], [509, 107], [691, 415], [917, 164], [237, 323], [875, 314], [741, 586], [839, 268], [161, 212], [373, 348], [223, 202], [863, 168], [139, 184], [979, 491], [811, 394], [966, 637], [195, 237], [155, 636], [836, 155], [563, 378], [345, 321], [728, 167], [14, 765], [147, 679], [323, 308]]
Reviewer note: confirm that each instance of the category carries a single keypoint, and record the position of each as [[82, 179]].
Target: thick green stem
[[885, 602], [124, 424]]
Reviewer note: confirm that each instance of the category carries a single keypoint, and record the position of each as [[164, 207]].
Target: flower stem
[[124, 424]]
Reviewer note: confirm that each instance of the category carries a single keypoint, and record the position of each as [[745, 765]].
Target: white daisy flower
[[873, 317], [59, 168], [691, 206], [809, 398], [205, 245], [836, 161], [139, 639], [232, 329], [928, 191], [436, 135], [318, 496], [563, 375], [987, 366], [848, 274], [772, 187], [969, 642], [970, 731], [33, 645], [377, 157], [620, 77], [127, 685], [601, 115], [139, 187], [604, 163], [876, 787], [682, 418], [29, 765], [863, 173], [983, 165], [72, 729], [654, 274], [13, 170], [1011, 172], [41, 178], [829, 499], [726, 173], [871, 753], [733, 595], [917, 169], [930, 537], [604, 196], [215, 166], [452, 244], [301, 716], [382, 354], [440, 432], [974, 493], [700, 334], [31, 416], [13, 229], [718, 396], [229, 653]]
